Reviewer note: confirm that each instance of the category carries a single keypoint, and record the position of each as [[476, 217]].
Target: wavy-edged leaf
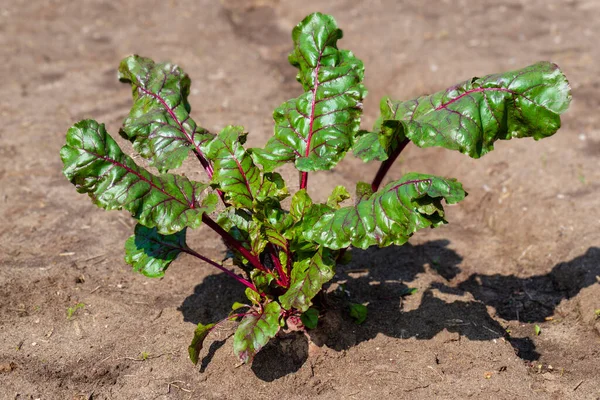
[[255, 330], [338, 195], [235, 173], [472, 115], [317, 128], [200, 335], [151, 253], [308, 277], [95, 164], [364, 190], [159, 124], [389, 216]]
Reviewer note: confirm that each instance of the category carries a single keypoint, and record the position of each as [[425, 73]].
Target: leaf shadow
[[280, 357], [381, 277], [211, 302], [382, 281], [535, 298], [212, 299]]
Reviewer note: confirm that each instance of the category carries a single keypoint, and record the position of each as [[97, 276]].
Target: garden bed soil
[[523, 250]]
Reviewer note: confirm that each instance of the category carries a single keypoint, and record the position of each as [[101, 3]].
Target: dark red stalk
[[304, 175], [386, 165], [217, 265], [231, 241], [303, 180], [283, 278]]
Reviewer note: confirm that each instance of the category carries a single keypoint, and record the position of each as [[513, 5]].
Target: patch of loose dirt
[[522, 250]]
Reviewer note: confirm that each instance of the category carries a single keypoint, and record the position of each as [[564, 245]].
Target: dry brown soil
[[522, 250]]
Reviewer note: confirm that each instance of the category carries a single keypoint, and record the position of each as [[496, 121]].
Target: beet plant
[[285, 255]]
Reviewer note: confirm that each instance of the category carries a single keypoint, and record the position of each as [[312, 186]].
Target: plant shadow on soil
[[380, 277]]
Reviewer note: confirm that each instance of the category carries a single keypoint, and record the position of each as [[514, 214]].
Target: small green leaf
[[301, 202], [316, 129], [95, 164], [389, 216], [381, 143], [338, 195], [597, 313], [237, 305], [245, 229], [409, 291], [151, 253], [471, 116], [308, 277], [537, 330], [364, 190], [235, 173], [310, 318], [159, 124], [252, 296], [200, 335], [358, 312], [72, 310], [255, 331], [262, 280]]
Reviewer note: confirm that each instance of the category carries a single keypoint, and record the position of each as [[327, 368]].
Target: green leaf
[[255, 331], [237, 305], [235, 173], [308, 277], [338, 195], [310, 318], [472, 115], [358, 312], [409, 291], [255, 231], [262, 280], [316, 129], [537, 330], [252, 296], [389, 216], [151, 253], [243, 228], [364, 190], [200, 335], [95, 164], [381, 143], [301, 203], [159, 124]]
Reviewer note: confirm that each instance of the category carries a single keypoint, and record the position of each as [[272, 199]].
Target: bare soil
[[522, 250]]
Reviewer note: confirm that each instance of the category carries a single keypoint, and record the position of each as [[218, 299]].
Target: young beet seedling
[[286, 256]]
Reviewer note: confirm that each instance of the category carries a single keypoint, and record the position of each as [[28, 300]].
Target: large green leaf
[[151, 253], [389, 216], [95, 164], [255, 330], [472, 115], [159, 124], [235, 173], [317, 128], [308, 277]]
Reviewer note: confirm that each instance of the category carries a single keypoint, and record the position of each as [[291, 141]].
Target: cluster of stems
[[282, 273]]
